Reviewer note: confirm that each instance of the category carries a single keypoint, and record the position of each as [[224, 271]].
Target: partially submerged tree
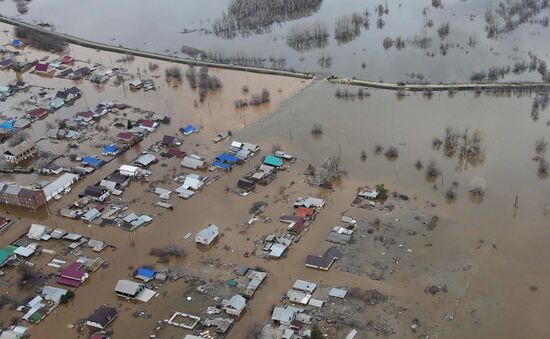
[[378, 148], [258, 99], [191, 76], [543, 168], [540, 145], [451, 194], [307, 36], [317, 130], [165, 253], [392, 152], [39, 39], [432, 171], [329, 171], [173, 72], [478, 186]]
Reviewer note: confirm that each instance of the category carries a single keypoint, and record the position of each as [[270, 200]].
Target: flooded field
[[419, 41], [486, 251]]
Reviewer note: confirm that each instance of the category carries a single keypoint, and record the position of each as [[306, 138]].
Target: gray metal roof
[[128, 287]]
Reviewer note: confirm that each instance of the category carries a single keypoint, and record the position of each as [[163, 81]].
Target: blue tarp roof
[[225, 157], [91, 161], [110, 149], [7, 125], [189, 129], [145, 272], [16, 42], [222, 165]]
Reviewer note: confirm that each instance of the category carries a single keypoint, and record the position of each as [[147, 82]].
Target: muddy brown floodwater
[[487, 257]]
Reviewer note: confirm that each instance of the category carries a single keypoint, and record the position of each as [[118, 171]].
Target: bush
[[165, 253]]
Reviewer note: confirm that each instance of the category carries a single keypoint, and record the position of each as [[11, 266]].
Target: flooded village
[[147, 195]]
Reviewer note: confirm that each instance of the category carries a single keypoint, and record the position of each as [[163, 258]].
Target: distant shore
[[503, 86]]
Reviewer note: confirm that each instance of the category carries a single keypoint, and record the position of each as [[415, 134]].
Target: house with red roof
[[86, 116], [67, 59], [304, 212], [37, 113], [73, 275], [43, 68], [128, 138], [149, 125]]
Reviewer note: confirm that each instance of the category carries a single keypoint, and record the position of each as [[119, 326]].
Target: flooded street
[[453, 57]]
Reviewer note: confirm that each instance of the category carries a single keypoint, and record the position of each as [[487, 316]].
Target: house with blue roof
[[229, 158], [145, 274], [222, 165], [57, 103], [92, 161], [17, 43], [274, 161], [111, 149], [7, 127], [189, 129]]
